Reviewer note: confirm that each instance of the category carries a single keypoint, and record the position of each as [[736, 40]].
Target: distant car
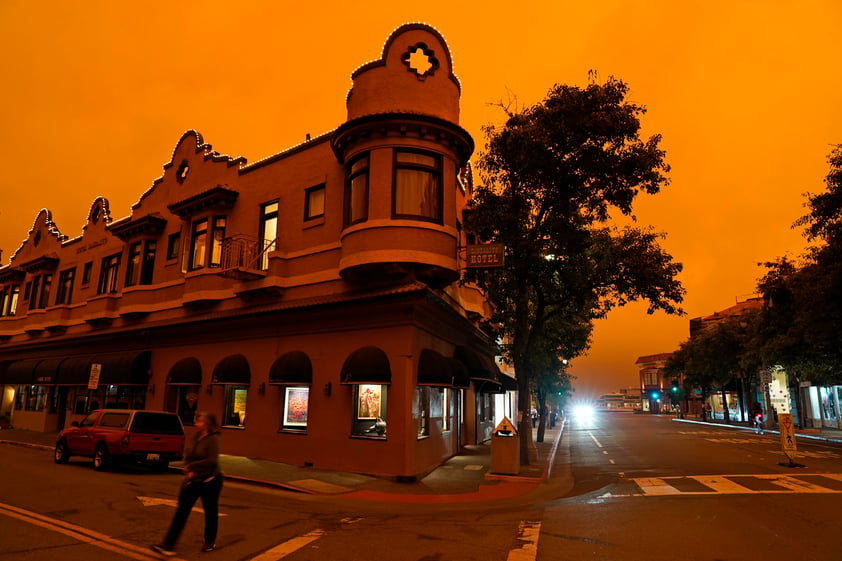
[[110, 436]]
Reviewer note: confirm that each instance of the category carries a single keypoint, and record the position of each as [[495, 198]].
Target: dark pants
[[190, 493]]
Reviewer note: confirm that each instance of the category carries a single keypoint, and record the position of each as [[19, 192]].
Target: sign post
[[787, 438], [93, 380]]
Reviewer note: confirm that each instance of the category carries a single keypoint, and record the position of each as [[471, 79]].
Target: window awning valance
[[126, 368], [367, 365], [185, 372], [21, 372], [74, 371], [233, 369], [434, 369], [46, 372], [292, 368]]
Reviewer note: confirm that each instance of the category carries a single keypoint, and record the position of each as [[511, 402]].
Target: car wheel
[[61, 454], [101, 457], [160, 465]]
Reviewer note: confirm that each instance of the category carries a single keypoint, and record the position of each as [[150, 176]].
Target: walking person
[[202, 479]]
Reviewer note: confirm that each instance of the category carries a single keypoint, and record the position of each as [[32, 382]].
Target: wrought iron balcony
[[245, 257]]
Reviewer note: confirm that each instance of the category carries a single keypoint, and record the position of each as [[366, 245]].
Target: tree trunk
[[541, 397], [725, 416]]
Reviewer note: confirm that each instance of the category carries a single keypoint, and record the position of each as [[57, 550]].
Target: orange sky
[[745, 93]]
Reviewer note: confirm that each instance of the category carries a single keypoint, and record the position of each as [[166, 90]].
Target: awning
[[461, 378], [185, 372], [127, 368], [21, 372], [233, 369], [480, 368], [367, 365], [46, 372], [292, 368], [434, 369], [509, 382], [74, 371]]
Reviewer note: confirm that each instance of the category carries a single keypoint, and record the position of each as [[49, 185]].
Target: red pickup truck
[[123, 435]]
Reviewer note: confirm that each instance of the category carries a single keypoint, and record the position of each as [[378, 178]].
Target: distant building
[[308, 299], [653, 382]]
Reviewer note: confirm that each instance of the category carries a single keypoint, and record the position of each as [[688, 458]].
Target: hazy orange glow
[[745, 93]]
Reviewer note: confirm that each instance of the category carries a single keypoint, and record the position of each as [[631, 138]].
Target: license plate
[[153, 457]]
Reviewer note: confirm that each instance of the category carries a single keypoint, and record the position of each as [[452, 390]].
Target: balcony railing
[[245, 257]]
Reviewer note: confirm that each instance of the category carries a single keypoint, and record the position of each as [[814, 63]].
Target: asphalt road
[[625, 487]]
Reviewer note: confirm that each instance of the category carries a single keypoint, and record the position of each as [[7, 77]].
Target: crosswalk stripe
[[726, 485], [528, 533], [289, 546], [723, 485], [655, 486], [795, 484]]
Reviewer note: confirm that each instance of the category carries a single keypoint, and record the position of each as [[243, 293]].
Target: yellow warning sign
[[787, 434], [505, 428]]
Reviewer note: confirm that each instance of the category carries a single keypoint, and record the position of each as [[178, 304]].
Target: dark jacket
[[201, 455]]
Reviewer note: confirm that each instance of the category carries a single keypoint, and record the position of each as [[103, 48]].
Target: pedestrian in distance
[[757, 418], [202, 480]]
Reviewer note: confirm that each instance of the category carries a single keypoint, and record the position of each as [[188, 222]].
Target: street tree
[[553, 178]]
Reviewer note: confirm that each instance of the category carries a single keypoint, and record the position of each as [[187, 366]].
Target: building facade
[[308, 299]]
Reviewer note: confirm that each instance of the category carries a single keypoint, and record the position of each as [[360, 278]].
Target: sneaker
[[208, 547], [158, 548]]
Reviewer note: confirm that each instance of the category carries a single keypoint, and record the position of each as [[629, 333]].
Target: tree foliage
[[552, 177]]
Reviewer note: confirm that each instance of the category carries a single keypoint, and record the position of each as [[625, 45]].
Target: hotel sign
[[482, 256]]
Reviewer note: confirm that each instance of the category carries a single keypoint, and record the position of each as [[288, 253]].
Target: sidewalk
[[462, 479], [822, 434]]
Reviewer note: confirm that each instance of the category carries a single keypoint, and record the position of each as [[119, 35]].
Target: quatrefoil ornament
[[421, 61]]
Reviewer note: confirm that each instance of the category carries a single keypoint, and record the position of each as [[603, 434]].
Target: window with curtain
[[314, 202], [108, 274], [356, 191], [198, 244], [65, 286], [218, 236], [417, 191]]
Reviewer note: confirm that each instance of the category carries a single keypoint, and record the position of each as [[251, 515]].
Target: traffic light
[[655, 395], [675, 386]]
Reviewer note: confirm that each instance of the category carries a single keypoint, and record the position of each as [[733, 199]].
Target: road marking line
[[79, 533], [152, 501], [594, 439], [723, 485], [795, 484], [528, 533], [655, 486], [289, 546]]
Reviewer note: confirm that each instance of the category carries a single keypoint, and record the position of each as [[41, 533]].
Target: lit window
[[417, 186], [296, 407], [423, 399], [370, 410], [356, 191], [198, 244], [235, 405], [445, 409], [218, 236], [268, 231]]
